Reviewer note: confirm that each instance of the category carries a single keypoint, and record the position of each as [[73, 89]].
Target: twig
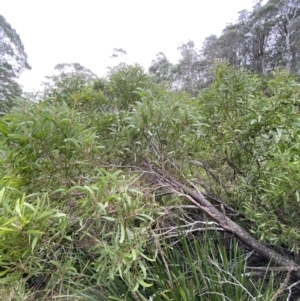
[[270, 269], [236, 281], [165, 263], [290, 290], [175, 234], [199, 200]]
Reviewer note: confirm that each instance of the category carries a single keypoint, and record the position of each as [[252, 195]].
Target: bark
[[227, 224]]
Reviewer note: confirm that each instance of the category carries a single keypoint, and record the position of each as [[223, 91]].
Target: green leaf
[[44, 215], [136, 287], [2, 195], [146, 257], [56, 263], [18, 209], [30, 207], [108, 218], [122, 236], [16, 137], [11, 220], [38, 232], [34, 242], [3, 127], [5, 230], [115, 298], [143, 283], [2, 273]]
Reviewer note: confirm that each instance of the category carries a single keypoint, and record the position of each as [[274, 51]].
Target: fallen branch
[[269, 269], [198, 226], [198, 199], [290, 290]]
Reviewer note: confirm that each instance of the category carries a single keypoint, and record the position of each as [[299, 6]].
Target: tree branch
[[227, 224]]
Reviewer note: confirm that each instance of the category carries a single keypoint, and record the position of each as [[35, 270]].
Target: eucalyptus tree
[[244, 43], [261, 39], [261, 22], [187, 75], [189, 67], [287, 32], [13, 61], [161, 69], [69, 78], [117, 52]]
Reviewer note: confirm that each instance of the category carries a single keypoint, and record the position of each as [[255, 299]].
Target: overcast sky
[[86, 31]]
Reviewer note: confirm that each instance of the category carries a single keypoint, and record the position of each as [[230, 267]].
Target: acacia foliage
[[79, 199], [253, 140]]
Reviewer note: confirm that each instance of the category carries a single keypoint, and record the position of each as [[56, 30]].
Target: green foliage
[[89, 100], [13, 61], [83, 226], [201, 269], [69, 79], [77, 241], [159, 128], [123, 81], [26, 224], [50, 144], [51, 150], [253, 135]]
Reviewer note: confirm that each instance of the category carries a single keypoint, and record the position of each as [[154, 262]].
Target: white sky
[[86, 31]]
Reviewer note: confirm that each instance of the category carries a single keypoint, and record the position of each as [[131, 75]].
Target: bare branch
[[290, 290], [227, 224]]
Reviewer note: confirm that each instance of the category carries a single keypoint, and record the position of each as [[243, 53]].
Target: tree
[[287, 32], [189, 67], [260, 40], [70, 78], [261, 22], [122, 83], [13, 61], [161, 69], [118, 58], [153, 169], [252, 130], [245, 43], [117, 52], [189, 74]]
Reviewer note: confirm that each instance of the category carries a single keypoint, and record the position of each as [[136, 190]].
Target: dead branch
[[290, 290], [269, 269], [198, 199]]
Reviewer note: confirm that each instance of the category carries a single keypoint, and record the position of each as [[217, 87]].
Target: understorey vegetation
[[125, 190], [153, 185]]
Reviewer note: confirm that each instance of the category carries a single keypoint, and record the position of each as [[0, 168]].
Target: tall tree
[[161, 69], [287, 32], [260, 40], [118, 56], [69, 78], [189, 67], [13, 61], [261, 23], [188, 74]]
